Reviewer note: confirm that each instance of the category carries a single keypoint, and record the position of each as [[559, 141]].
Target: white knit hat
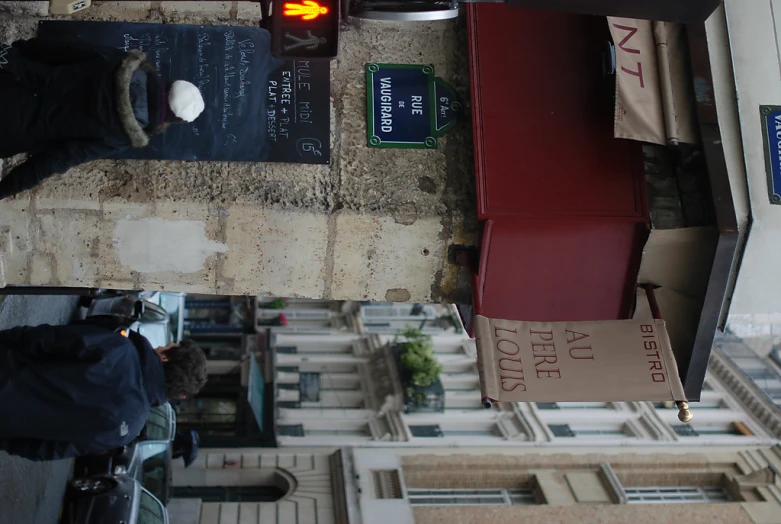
[[185, 100]]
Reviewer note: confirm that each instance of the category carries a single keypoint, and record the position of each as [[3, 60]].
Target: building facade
[[346, 443], [656, 483], [349, 389]]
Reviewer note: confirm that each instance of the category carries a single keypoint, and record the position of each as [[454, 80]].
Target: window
[[208, 413], [736, 428], [591, 432], [426, 431], [342, 432], [675, 494], [150, 511], [547, 405], [476, 406], [702, 404], [561, 430], [774, 394], [471, 497], [158, 423], [309, 386], [760, 373], [775, 356], [727, 430], [387, 484], [230, 493], [296, 430], [475, 432], [684, 430], [155, 468], [564, 430], [583, 405]]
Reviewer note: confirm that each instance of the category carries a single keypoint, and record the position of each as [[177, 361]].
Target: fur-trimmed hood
[[133, 60]]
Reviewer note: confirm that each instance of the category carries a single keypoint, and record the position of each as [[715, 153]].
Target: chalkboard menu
[[258, 108]]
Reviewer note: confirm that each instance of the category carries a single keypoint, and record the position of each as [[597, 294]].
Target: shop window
[[471, 497], [207, 414]]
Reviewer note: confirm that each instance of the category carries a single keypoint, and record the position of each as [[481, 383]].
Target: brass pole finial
[[684, 414]]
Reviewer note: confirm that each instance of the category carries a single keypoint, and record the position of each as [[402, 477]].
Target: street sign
[[407, 106], [771, 133], [305, 29]]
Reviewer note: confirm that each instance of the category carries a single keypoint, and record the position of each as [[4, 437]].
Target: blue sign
[[771, 131], [398, 105], [407, 106], [255, 390]]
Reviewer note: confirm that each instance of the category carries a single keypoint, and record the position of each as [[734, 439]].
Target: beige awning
[[654, 92], [615, 360]]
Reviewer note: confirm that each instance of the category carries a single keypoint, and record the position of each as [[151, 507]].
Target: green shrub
[[418, 357]]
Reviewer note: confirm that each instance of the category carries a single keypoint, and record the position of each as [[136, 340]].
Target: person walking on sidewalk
[[66, 391], [70, 103]]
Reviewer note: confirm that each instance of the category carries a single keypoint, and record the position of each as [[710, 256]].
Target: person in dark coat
[[67, 391], [70, 103]]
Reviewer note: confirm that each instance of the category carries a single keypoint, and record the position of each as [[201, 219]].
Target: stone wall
[[604, 514], [374, 225], [576, 487]]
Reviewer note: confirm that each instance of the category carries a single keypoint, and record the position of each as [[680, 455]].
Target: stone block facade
[[375, 224]]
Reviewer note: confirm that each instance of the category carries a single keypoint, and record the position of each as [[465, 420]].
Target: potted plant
[[419, 371], [277, 303]]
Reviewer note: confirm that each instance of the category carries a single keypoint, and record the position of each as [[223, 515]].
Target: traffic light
[[305, 29]]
